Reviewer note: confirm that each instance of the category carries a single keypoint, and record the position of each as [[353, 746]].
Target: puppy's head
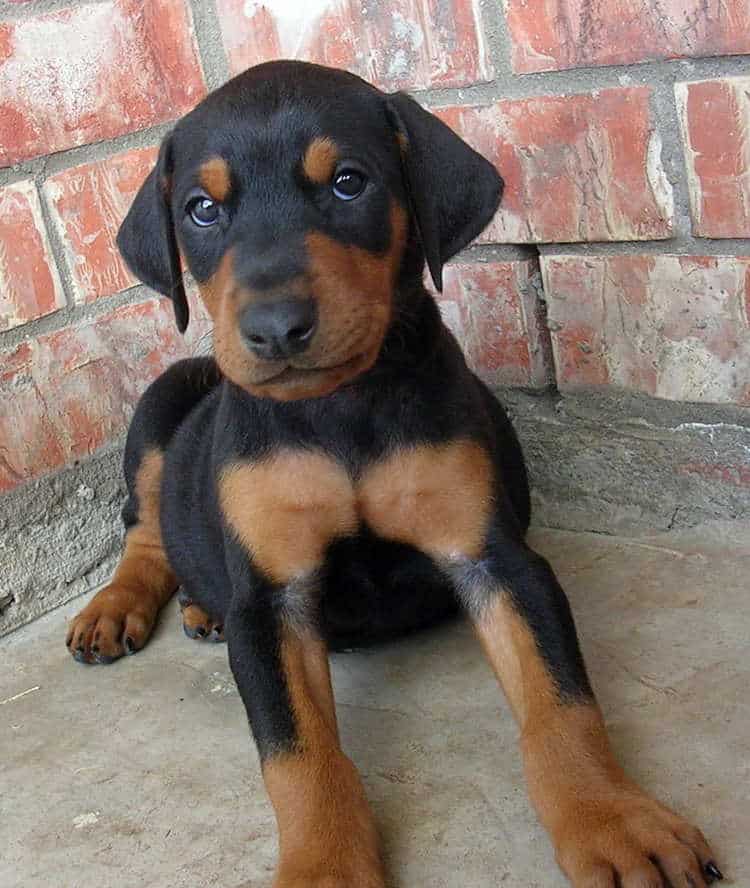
[[294, 195]]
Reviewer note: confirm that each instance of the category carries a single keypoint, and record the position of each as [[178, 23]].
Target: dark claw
[[79, 655], [104, 659], [201, 631], [94, 648], [713, 871], [129, 646], [216, 634]]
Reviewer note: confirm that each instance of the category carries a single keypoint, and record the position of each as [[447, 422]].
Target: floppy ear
[[453, 191], [147, 240]]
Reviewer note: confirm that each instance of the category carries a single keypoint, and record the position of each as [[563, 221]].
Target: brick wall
[[628, 188], [619, 261]]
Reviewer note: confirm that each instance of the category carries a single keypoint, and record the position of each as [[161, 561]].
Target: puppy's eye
[[203, 211], [349, 184]]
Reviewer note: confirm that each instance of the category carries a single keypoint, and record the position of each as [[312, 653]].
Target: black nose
[[279, 329]]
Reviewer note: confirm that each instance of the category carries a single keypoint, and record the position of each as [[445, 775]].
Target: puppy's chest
[[288, 508]]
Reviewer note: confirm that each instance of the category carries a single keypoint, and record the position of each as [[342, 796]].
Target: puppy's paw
[[627, 839], [196, 623], [116, 621]]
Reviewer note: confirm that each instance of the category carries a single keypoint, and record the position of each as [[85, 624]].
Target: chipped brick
[[88, 204], [64, 394], [715, 120], [577, 168], [403, 44], [559, 34], [494, 312], [29, 283], [92, 72], [674, 327]]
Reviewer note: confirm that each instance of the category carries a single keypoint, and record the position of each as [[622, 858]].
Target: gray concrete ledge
[[59, 537], [623, 464]]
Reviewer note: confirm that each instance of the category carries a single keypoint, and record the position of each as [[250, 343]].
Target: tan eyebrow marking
[[320, 159], [215, 177]]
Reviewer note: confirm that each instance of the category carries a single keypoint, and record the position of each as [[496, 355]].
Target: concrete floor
[[143, 774]]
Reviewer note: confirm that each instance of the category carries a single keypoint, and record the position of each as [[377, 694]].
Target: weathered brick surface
[[403, 44], [66, 393], [549, 35], [29, 283], [715, 117], [494, 311], [671, 326], [577, 168], [92, 72], [88, 203]]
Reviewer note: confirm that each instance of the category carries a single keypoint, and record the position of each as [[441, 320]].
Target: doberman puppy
[[337, 474]]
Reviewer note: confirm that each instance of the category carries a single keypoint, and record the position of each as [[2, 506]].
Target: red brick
[[402, 44], [577, 168], [88, 203], [29, 285], [67, 393], [671, 326], [93, 72], [494, 312], [557, 34], [715, 117]]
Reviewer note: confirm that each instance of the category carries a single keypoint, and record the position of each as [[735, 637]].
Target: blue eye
[[349, 184], [203, 211]]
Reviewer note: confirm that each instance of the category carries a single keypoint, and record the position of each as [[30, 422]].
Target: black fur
[[418, 391], [146, 238], [451, 208]]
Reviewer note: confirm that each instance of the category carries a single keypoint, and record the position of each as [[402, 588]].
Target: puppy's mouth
[[294, 374]]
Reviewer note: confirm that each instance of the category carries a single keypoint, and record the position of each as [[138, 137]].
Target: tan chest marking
[[436, 498], [286, 510]]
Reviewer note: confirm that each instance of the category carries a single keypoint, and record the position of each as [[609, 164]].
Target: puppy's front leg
[[606, 831], [281, 516], [445, 501]]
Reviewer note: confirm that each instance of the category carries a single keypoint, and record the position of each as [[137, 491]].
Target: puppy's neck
[[416, 328]]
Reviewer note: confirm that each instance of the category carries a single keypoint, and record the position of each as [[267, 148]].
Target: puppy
[[338, 473]]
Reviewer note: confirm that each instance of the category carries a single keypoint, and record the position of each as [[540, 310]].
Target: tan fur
[[224, 299], [216, 178], [143, 581], [437, 498], [195, 618], [596, 816], [287, 509], [326, 832], [353, 290], [320, 160]]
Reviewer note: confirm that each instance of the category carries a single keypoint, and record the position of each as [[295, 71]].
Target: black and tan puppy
[[337, 473]]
